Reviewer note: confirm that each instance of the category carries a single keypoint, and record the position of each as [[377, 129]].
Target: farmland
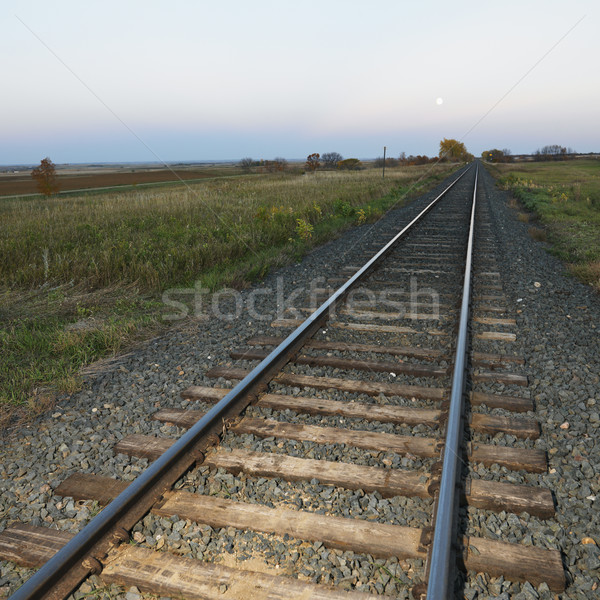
[[82, 275], [90, 177]]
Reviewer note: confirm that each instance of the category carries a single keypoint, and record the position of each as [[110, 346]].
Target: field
[[78, 178], [562, 200], [82, 276]]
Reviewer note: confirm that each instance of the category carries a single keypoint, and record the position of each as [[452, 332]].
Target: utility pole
[[384, 149]]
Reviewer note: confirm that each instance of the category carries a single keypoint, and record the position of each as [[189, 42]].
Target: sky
[[193, 80]]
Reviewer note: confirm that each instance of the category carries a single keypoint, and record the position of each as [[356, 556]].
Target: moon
[[439, 101]]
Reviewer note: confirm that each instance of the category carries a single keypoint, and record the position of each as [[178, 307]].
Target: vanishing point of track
[[376, 322]]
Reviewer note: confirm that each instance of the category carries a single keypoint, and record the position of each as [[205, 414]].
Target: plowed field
[[16, 184]]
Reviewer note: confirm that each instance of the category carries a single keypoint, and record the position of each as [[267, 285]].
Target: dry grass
[[537, 233], [588, 273]]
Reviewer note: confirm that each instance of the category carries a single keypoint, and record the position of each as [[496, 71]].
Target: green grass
[[565, 198], [48, 336], [82, 276]]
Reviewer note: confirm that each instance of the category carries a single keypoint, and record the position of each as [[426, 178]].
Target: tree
[[45, 177], [313, 162], [246, 164], [454, 150], [419, 160], [497, 156], [280, 163], [331, 159], [552, 152], [272, 166], [494, 155]]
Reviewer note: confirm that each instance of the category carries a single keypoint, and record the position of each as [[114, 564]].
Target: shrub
[[350, 164], [343, 208], [304, 229]]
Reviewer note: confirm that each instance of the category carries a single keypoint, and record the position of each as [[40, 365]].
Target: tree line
[[554, 152], [496, 155], [314, 161], [451, 150], [551, 152], [331, 160]]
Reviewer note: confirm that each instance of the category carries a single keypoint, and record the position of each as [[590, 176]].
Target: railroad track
[[376, 412]]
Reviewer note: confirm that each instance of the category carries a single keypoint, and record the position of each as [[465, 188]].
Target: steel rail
[[441, 550], [91, 542]]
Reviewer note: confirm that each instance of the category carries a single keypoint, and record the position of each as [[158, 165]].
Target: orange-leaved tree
[[313, 162], [45, 177]]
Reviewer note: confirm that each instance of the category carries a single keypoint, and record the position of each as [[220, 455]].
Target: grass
[[48, 336], [161, 238], [82, 276], [565, 198]]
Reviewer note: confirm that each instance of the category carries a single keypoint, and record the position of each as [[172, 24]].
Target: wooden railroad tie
[[169, 575], [513, 561], [378, 314], [525, 459], [371, 388], [499, 336], [364, 327], [521, 427], [397, 367], [488, 359], [411, 369], [408, 351], [488, 495]]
